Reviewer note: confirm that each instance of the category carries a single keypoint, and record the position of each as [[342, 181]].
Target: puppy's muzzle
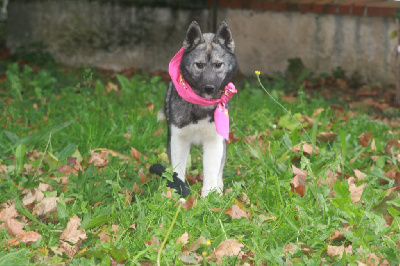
[[209, 89]]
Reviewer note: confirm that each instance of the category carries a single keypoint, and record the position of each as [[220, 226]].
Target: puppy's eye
[[200, 65], [218, 65]]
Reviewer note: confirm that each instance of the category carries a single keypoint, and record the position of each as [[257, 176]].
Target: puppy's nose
[[209, 89]]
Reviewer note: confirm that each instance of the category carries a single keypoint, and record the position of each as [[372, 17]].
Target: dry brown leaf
[[143, 178], [229, 247], [133, 226], [197, 244], [70, 250], [8, 212], [355, 192], [298, 182], [136, 189], [71, 232], [392, 143], [374, 260], [135, 154], [104, 236], [46, 206], [111, 87], [392, 174], [360, 175], [373, 145], [334, 251], [189, 203], [327, 136], [28, 237], [99, 159], [232, 137], [317, 111], [14, 227], [168, 195], [127, 135], [339, 234], [184, 238], [364, 138], [152, 241], [308, 149], [298, 185], [299, 172], [158, 131], [33, 196], [236, 212]]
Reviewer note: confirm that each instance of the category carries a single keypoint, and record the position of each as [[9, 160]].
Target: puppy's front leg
[[179, 151], [213, 164]]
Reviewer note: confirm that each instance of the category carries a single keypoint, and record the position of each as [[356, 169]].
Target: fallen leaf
[[71, 232], [236, 212], [152, 241], [133, 226], [127, 135], [317, 111], [337, 251], [299, 172], [307, 149], [232, 137], [111, 87], [195, 245], [9, 212], [364, 138], [298, 182], [136, 189], [143, 178], [392, 143], [229, 247], [373, 145], [33, 196], [327, 136], [189, 203], [360, 175], [355, 192], [46, 206], [14, 227], [70, 250], [135, 154], [104, 236], [158, 131], [168, 195], [184, 238], [28, 237]]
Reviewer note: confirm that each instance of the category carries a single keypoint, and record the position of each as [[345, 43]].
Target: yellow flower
[[204, 253], [257, 72], [208, 242]]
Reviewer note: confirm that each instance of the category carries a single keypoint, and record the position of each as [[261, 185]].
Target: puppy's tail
[[181, 187]]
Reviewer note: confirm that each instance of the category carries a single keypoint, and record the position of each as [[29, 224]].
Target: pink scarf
[[221, 116]]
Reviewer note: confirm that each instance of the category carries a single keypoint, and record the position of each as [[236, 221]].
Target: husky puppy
[[204, 66]]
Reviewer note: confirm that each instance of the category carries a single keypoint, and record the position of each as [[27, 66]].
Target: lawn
[[308, 180]]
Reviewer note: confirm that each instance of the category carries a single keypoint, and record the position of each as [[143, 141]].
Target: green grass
[[61, 112]]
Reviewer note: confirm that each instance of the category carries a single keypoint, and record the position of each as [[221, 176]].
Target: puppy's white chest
[[196, 133]]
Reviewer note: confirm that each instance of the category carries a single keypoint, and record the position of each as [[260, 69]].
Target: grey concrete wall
[[102, 34], [118, 37], [265, 40]]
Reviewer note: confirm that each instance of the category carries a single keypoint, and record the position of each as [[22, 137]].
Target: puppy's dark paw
[[181, 187]]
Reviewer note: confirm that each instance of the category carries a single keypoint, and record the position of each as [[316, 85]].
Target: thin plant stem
[[168, 233]]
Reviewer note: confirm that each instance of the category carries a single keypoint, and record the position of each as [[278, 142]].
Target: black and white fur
[[208, 65]]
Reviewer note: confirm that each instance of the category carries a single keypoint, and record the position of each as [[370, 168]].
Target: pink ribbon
[[221, 116]]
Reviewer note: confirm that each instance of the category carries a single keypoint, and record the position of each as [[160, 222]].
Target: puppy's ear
[[224, 37], [193, 36]]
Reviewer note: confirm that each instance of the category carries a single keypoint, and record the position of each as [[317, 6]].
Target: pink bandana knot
[[221, 116]]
